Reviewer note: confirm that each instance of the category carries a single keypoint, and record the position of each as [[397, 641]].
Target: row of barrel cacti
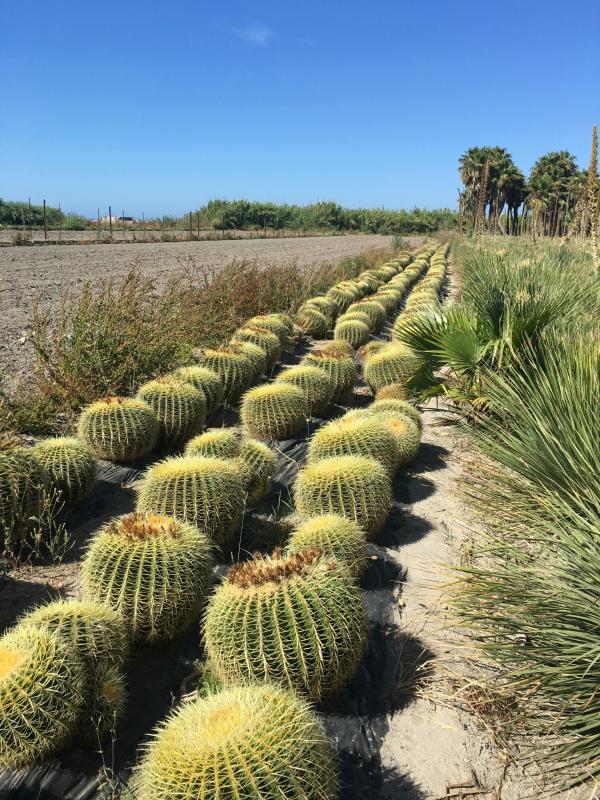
[[166, 412], [294, 620]]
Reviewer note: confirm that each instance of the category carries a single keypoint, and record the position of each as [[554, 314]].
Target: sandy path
[[26, 272]]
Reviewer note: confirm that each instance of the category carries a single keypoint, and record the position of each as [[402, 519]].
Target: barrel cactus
[[232, 365], [105, 702], [207, 492], [259, 358], [356, 315], [280, 324], [295, 620], [153, 570], [337, 537], [394, 363], [393, 391], [42, 694], [353, 486], [22, 485], [119, 428], [274, 411], [312, 321], [352, 331], [335, 347], [257, 464], [374, 310], [70, 465], [405, 431], [207, 380], [369, 349], [179, 407], [342, 295], [263, 337], [350, 436], [254, 742], [325, 305], [314, 383], [216, 443], [341, 370], [400, 407]]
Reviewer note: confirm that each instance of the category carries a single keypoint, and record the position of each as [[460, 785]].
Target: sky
[[156, 108]]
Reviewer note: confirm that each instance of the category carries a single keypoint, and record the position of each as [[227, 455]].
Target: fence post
[[45, 222], [110, 220], [191, 229], [59, 224], [198, 222], [98, 226], [123, 221]]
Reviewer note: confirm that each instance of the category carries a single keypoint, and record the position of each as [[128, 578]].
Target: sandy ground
[[29, 272]]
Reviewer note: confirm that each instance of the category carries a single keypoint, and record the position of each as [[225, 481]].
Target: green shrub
[[274, 411], [295, 620], [254, 742], [153, 570], [119, 428], [70, 466]]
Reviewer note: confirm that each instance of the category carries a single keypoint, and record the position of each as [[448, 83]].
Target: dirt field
[[26, 272]]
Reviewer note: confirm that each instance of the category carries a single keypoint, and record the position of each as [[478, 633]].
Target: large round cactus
[[153, 570], [207, 380], [334, 347], [337, 537], [355, 437], [296, 620], [342, 295], [402, 427], [325, 305], [259, 358], [341, 370], [263, 337], [42, 695], [352, 331], [274, 411], [258, 464], [314, 383], [312, 321], [394, 363], [353, 486], [232, 365], [70, 465], [366, 351], [400, 407], [393, 391], [179, 407], [216, 443], [207, 492], [119, 428], [22, 484], [251, 743], [374, 310], [281, 325]]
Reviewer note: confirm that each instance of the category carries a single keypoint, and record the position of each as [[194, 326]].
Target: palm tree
[[505, 185], [554, 186]]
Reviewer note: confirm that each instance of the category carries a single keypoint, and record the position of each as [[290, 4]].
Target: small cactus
[[296, 620], [400, 407], [153, 570], [394, 363], [325, 305], [106, 701], [258, 465], [42, 688], [314, 383], [337, 537], [335, 347], [216, 443], [353, 486], [369, 349], [259, 358], [393, 391], [374, 310], [70, 465], [178, 406], [405, 431], [352, 331], [351, 436], [279, 324], [274, 411], [207, 492], [252, 743], [22, 484], [312, 321], [119, 428], [263, 337], [341, 370], [232, 365], [207, 380]]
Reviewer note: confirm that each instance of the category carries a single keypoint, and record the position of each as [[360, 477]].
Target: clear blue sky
[[157, 107]]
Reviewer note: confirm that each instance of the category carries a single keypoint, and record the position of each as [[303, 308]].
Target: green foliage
[[258, 465], [233, 367], [69, 465], [352, 486], [337, 537], [274, 411], [207, 381], [313, 382], [14, 213], [22, 484], [206, 492], [353, 331], [216, 443], [153, 570], [253, 742], [340, 369], [42, 685], [179, 407], [353, 436], [119, 428], [295, 620]]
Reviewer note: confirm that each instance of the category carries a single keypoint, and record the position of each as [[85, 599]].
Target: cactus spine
[[207, 492], [153, 570], [350, 436], [119, 428], [314, 383], [264, 338], [207, 381], [216, 443], [22, 483], [394, 363], [295, 620], [274, 411], [312, 321], [70, 465], [352, 331], [337, 537], [399, 407], [352, 486], [341, 370], [178, 406], [232, 365], [257, 464], [255, 743]]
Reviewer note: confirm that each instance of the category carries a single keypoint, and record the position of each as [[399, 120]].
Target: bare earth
[[47, 271]]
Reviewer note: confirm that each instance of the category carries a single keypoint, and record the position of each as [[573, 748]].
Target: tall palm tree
[[505, 184], [554, 186]]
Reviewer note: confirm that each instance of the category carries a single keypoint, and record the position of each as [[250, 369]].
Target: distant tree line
[[15, 214], [549, 202]]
